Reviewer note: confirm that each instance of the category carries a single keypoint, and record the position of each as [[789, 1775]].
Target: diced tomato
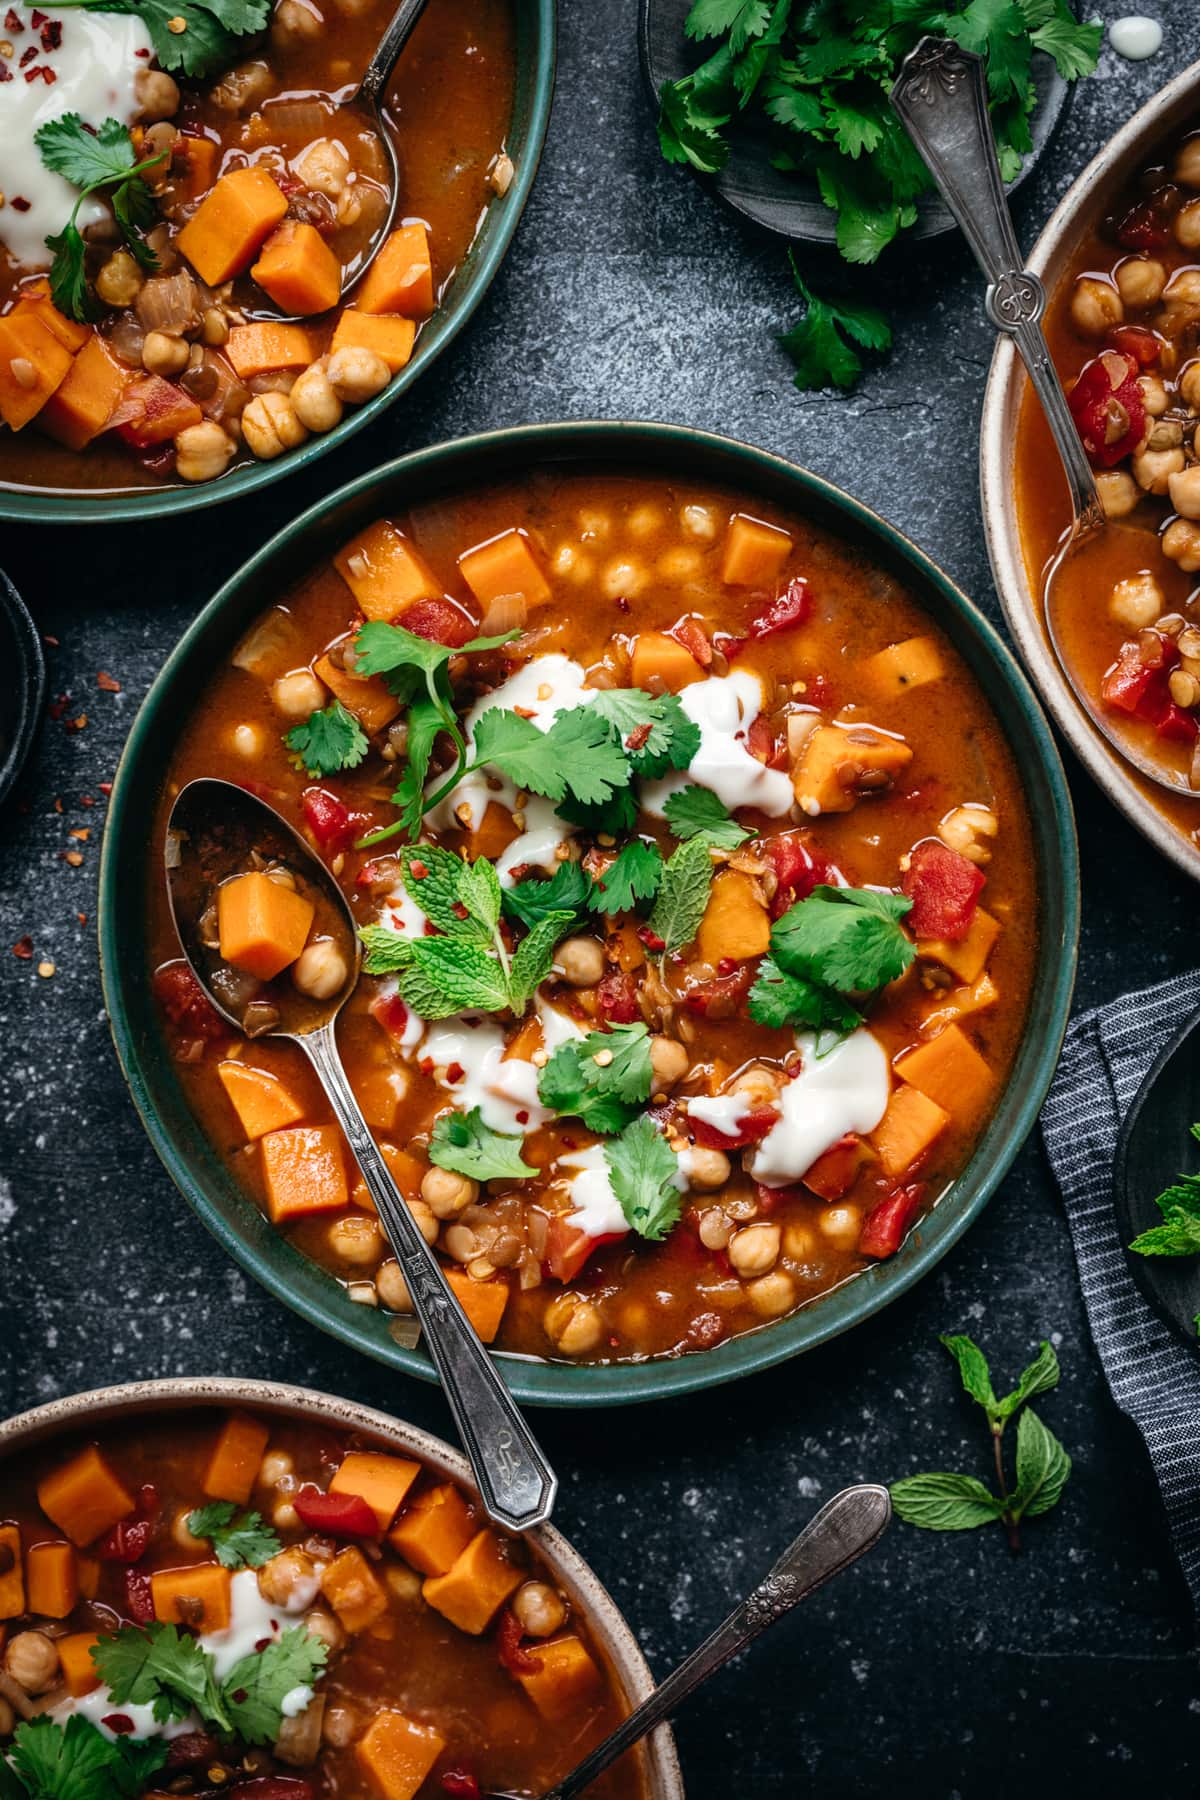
[[944, 889], [568, 1248], [651, 939], [152, 410], [694, 639], [272, 1787], [617, 998], [508, 1645], [885, 1225], [341, 1515], [459, 1781], [139, 1597], [798, 869], [390, 1011], [328, 818], [128, 1540], [765, 746], [186, 1004], [834, 1174], [1178, 726], [787, 610], [1137, 682], [721, 997], [1144, 346], [1145, 227], [1108, 408], [439, 620], [750, 1128]]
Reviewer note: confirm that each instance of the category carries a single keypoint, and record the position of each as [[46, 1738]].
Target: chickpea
[[622, 579], [699, 522], [164, 355], [295, 23], [644, 521], [798, 1242], [298, 1741], [275, 1465], [313, 396], [1095, 307], [715, 1229], [298, 694], [446, 1194], [759, 1085], [1137, 601], [243, 88], [325, 167], [356, 1239], [966, 829], [1187, 162], [341, 1726], [119, 281], [320, 970], [593, 526], [460, 1242], [32, 1661], [248, 741], [841, 1226], [1119, 492], [427, 1224], [1154, 395], [580, 961], [1141, 280], [290, 1580], [573, 1325], [285, 1517], [355, 373], [1186, 225], [707, 1170], [1183, 289], [1152, 469], [669, 1063], [392, 1288], [323, 1626], [1181, 542], [501, 173], [539, 1609], [156, 94], [678, 566], [1184, 489], [270, 426], [182, 1532], [204, 451], [772, 1295], [214, 327], [753, 1250], [1189, 386]]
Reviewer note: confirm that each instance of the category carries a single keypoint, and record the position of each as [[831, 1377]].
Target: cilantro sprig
[[1179, 1233], [643, 1172], [239, 1540], [570, 889], [698, 812], [827, 342], [75, 1761], [634, 875], [169, 1670], [327, 741], [827, 951], [211, 35], [464, 1143], [602, 1079], [955, 1502], [95, 161]]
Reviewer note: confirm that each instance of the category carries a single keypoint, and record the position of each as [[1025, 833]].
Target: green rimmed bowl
[[447, 469], [536, 23]]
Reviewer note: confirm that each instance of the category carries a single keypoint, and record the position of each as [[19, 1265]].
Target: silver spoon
[[213, 830], [941, 98], [845, 1528]]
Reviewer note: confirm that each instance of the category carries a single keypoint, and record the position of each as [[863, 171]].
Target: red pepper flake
[[58, 805], [27, 55], [120, 1724], [522, 1117], [6, 74], [105, 788], [18, 203], [74, 857], [52, 34], [47, 75], [82, 833], [13, 21], [87, 800], [105, 682], [454, 1072], [418, 870], [23, 948], [37, 19], [58, 707], [82, 917], [52, 641], [638, 736], [525, 712], [77, 724]]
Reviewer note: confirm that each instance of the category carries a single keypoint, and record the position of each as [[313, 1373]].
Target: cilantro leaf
[[578, 756], [663, 735], [160, 1666], [742, 19], [779, 999], [382, 649], [209, 39], [464, 1143], [825, 344], [601, 1079], [85, 158], [239, 1542], [615, 816], [847, 938], [93, 159], [682, 895], [642, 1169], [634, 874], [69, 287], [255, 1688], [76, 1761], [385, 952], [514, 744], [1075, 47], [327, 741], [697, 812], [426, 718], [568, 890], [943, 1502]]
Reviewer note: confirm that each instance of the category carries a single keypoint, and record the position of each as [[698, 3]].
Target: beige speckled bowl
[[1174, 105], [105, 1406]]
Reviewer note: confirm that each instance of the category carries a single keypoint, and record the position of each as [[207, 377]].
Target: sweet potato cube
[[383, 571], [89, 1577], [834, 1174], [304, 1172], [51, 1579], [197, 1596], [35, 299], [373, 704], [382, 1481], [84, 1498], [351, 1588], [968, 957], [525, 1040], [81, 407], [566, 1676], [233, 1465], [298, 269], [12, 1581], [406, 1170], [949, 1070], [908, 1128], [266, 349], [380, 1091], [387, 334], [493, 834], [475, 1586], [755, 552], [193, 165], [840, 767], [482, 1301], [505, 565], [661, 664], [236, 216], [260, 1100], [153, 411], [262, 924], [33, 363], [893, 671], [396, 1754], [434, 1529], [400, 280], [736, 922], [75, 1655]]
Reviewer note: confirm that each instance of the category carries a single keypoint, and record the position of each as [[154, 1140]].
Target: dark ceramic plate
[[789, 204], [1155, 1146], [23, 687]]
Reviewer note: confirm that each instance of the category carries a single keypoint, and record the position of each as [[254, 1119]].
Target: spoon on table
[[214, 831], [940, 96], [845, 1528]]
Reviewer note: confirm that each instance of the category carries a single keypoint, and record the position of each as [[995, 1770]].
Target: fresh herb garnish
[[837, 942], [948, 1502], [656, 734], [464, 1143], [94, 162], [568, 890], [579, 757], [697, 812], [642, 1169], [826, 344], [75, 1761], [779, 999], [601, 1079], [634, 874], [256, 1687], [1179, 1233], [211, 32], [327, 741], [239, 1540], [682, 895], [160, 1666]]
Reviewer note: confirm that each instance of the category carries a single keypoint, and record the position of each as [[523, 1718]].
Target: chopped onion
[[800, 727], [173, 855], [260, 647], [507, 612]]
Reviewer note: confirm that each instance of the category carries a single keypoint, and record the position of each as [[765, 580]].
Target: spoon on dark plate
[[845, 1528], [1155, 1146], [217, 831], [941, 98]]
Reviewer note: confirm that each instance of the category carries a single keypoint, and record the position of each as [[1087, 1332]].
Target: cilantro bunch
[[209, 39], [75, 1761], [827, 952], [99, 161]]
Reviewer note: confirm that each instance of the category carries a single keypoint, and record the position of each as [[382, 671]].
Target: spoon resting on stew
[[845, 1528], [270, 938], [941, 99]]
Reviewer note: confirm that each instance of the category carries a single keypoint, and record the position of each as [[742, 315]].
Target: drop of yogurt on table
[[1135, 37]]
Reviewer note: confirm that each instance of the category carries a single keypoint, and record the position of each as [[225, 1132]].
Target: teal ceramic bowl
[[448, 469], [536, 38]]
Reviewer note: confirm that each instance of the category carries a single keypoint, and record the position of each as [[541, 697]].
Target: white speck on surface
[[1135, 37], [8, 1206]]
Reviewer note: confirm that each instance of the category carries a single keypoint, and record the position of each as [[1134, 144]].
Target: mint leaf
[[1043, 1468], [479, 892], [602, 1079], [697, 812], [634, 874], [846, 938], [239, 1540], [444, 976], [464, 1143], [682, 895], [974, 1370], [534, 958], [385, 952], [642, 1169], [1176, 1237], [568, 890], [943, 1502], [435, 878], [255, 1688], [327, 741], [792, 1001], [1041, 1375]]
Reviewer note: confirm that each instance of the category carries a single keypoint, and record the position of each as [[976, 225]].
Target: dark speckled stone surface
[[941, 1667]]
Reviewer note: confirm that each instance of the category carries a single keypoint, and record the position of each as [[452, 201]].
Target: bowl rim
[[30, 675], [283, 1271], [314, 1405], [1003, 396], [535, 78]]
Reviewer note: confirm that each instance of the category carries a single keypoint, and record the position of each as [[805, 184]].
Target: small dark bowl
[[21, 697], [790, 205], [1156, 1146]]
